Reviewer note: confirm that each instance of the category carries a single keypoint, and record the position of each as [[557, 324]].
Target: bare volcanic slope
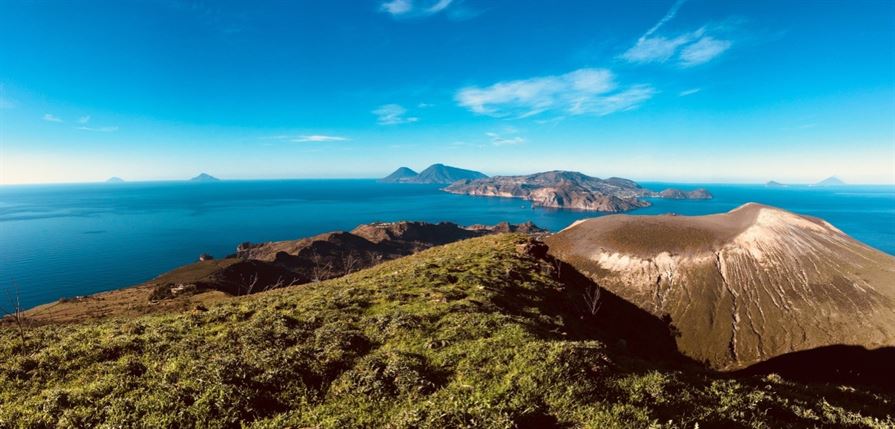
[[744, 286], [569, 189]]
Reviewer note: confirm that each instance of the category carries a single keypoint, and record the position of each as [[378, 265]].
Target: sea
[[77, 239]]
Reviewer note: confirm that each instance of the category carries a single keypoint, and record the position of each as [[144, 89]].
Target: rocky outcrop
[[741, 287], [263, 266], [435, 173], [569, 190]]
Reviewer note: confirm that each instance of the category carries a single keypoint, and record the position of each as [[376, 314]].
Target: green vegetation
[[472, 334]]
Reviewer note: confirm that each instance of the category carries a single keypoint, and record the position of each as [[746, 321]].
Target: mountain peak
[[435, 173], [204, 177], [831, 181], [399, 175]]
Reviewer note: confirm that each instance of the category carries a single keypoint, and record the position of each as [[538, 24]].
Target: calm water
[[68, 240]]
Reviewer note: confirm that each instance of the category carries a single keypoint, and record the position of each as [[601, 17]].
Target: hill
[[570, 190], [258, 267], [741, 287], [402, 173], [830, 181], [202, 177], [114, 179], [485, 332], [434, 174]]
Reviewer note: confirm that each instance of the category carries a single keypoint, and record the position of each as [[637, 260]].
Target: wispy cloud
[[84, 119], [583, 91], [306, 138], [98, 129], [689, 48], [414, 8], [690, 91], [704, 50], [500, 140], [52, 118], [657, 49], [318, 138], [668, 17], [393, 114]]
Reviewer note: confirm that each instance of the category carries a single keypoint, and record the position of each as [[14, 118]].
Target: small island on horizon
[[204, 177]]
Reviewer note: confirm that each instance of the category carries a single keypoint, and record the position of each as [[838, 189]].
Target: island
[[571, 190], [204, 177], [114, 179], [434, 174], [830, 181], [775, 184]]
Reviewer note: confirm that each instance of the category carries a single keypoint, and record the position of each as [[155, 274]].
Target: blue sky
[[695, 91]]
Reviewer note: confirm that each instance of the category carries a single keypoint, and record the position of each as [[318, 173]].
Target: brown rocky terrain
[[741, 287], [569, 190]]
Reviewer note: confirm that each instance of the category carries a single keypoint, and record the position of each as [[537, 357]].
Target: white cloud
[[318, 138], [690, 48], [703, 51], [99, 129], [583, 91], [397, 7], [51, 117], [393, 114], [84, 119], [414, 8], [690, 91], [656, 49], [499, 140], [668, 16]]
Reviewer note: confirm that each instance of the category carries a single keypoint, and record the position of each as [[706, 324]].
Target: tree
[[592, 301], [320, 270], [16, 314], [350, 262]]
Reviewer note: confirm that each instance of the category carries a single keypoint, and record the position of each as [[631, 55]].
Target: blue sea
[[69, 240]]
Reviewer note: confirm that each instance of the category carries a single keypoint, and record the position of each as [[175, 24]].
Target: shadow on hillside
[[839, 364], [621, 323]]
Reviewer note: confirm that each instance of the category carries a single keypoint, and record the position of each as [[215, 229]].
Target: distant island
[[114, 179], [830, 181], [203, 177], [571, 190], [775, 184], [436, 173]]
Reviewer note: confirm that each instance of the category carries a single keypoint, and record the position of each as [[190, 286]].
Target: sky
[[682, 91]]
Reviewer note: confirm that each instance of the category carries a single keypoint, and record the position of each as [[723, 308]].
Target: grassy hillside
[[472, 334]]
